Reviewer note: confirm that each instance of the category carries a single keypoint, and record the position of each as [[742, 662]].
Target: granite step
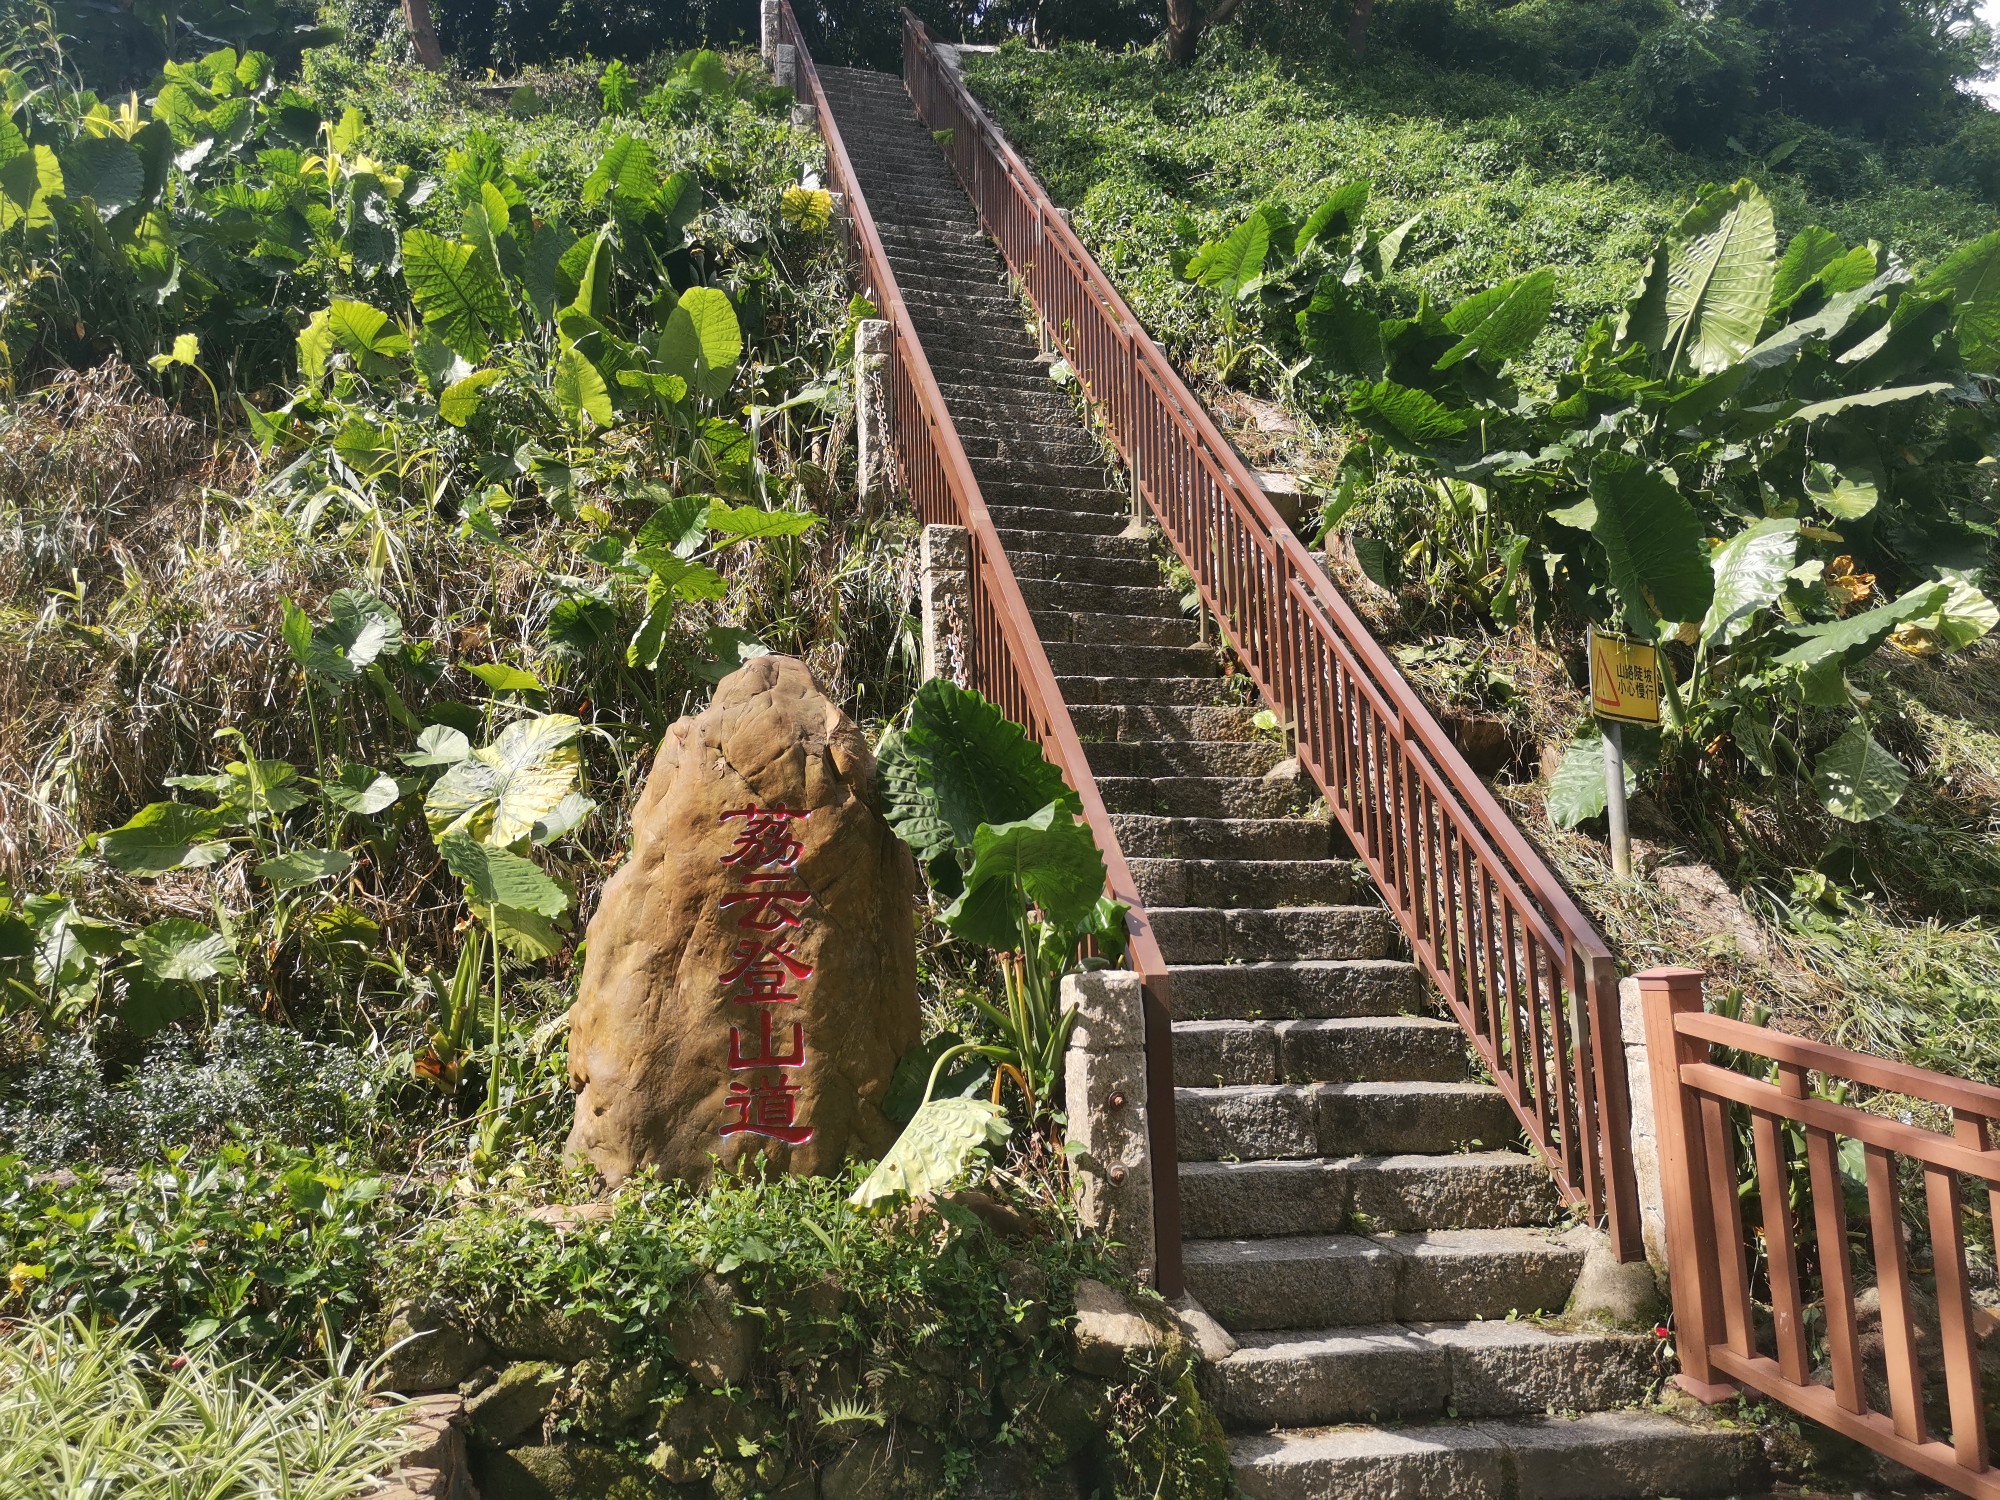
[[1406, 1192], [1294, 989], [1087, 628], [1130, 569], [1258, 757], [1151, 836], [1191, 800], [1617, 1455], [1340, 1049], [1164, 721], [1340, 1280], [1294, 1122], [1069, 658], [1245, 882], [1220, 935], [1105, 598], [1188, 796], [1397, 1372]]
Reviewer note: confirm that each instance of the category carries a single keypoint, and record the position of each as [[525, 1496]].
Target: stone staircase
[[1360, 1212]]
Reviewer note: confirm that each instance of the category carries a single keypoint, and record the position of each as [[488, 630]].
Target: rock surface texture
[[1361, 1216], [750, 980]]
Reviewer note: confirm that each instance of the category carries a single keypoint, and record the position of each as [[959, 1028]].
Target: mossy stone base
[[566, 1473]]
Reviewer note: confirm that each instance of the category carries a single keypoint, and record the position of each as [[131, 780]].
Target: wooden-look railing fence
[[1523, 970], [1798, 1258], [1004, 658]]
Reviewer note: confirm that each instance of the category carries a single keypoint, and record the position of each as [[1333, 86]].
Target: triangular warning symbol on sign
[[1604, 679]]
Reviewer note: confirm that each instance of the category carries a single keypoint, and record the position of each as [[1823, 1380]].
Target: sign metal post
[[1624, 689]]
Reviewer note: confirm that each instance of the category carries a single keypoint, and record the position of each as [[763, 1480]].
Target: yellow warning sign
[[1624, 679]]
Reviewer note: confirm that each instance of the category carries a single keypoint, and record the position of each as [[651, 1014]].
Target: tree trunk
[[1183, 31], [1357, 27], [423, 33]]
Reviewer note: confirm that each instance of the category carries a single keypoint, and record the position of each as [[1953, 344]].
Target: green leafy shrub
[[1001, 837], [255, 1246], [1826, 401], [1694, 80], [87, 1411], [941, 1330], [243, 1075]]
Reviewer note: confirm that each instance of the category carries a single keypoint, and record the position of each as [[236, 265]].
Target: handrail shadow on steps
[[1525, 973], [1004, 657]]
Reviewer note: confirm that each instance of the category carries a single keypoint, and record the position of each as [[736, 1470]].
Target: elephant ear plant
[[1770, 463], [1001, 839]]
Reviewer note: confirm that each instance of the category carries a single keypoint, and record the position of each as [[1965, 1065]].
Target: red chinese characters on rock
[[765, 971]]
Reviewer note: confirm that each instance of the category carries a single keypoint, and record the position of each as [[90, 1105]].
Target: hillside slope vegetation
[[1452, 356]]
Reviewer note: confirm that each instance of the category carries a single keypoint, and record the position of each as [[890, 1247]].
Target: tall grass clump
[[88, 1412]]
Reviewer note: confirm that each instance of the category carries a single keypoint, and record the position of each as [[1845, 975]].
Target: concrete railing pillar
[[785, 65], [1645, 1125], [944, 579], [1104, 1076], [768, 13], [871, 405]]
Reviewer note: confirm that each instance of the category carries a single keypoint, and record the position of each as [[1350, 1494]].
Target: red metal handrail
[[1523, 970], [1802, 1207], [1004, 658]]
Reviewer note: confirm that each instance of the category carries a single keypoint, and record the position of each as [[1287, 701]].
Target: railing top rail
[[1913, 1141], [1976, 1099], [1023, 642], [1414, 720]]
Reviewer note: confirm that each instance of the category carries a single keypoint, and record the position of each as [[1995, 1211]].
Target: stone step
[[953, 366], [1051, 447], [1098, 499], [1152, 836], [961, 314], [1164, 721], [1190, 802], [1084, 627], [1047, 475], [1339, 1280], [1410, 1372], [1293, 1122], [1130, 569], [973, 348], [1244, 882], [1070, 659], [987, 287], [1219, 935], [914, 250], [1010, 518], [1621, 1455], [1188, 796], [1104, 598], [1031, 381], [1256, 757], [1403, 1193], [1012, 410], [1341, 1049], [1293, 989], [1030, 417], [1040, 551]]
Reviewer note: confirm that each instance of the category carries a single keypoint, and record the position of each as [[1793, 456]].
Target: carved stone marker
[[750, 980]]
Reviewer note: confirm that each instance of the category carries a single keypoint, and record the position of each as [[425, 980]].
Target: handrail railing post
[[1614, 1113], [1692, 1262]]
